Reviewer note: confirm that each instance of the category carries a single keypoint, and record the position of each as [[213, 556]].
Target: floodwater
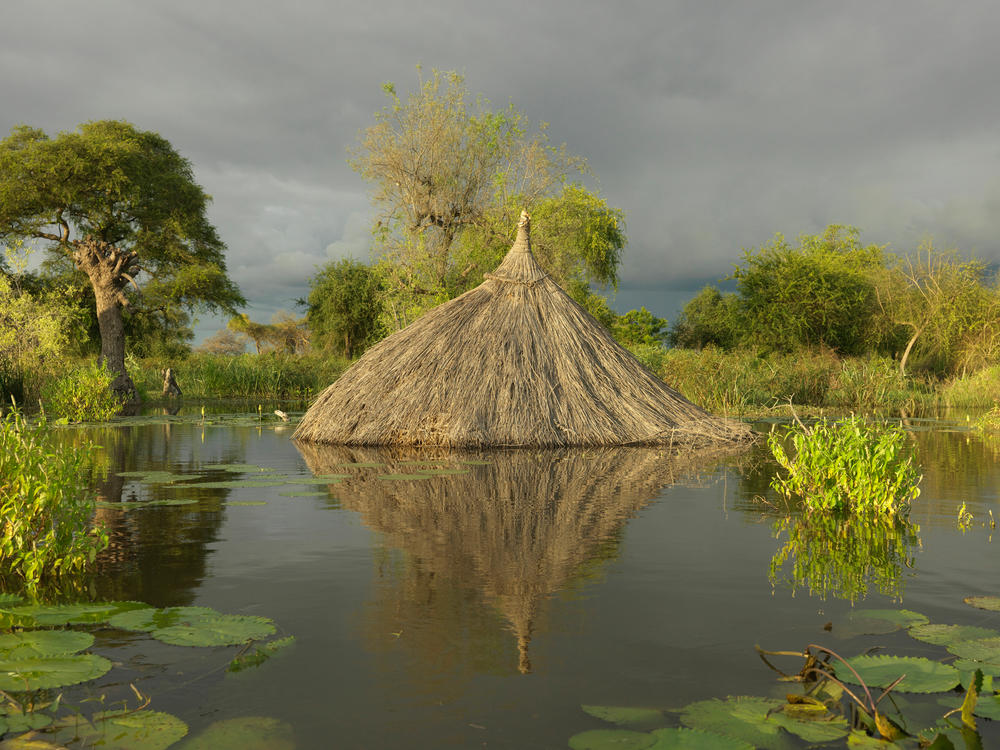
[[481, 606]]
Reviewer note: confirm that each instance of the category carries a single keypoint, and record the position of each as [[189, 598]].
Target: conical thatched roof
[[513, 362]]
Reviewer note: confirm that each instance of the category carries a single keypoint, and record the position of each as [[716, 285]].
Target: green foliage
[[881, 670], [709, 319], [819, 293], [194, 626], [82, 395], [46, 510], [851, 465], [345, 307], [32, 338], [451, 176]]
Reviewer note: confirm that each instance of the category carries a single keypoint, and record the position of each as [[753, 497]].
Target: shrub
[[83, 395], [45, 508], [851, 465]]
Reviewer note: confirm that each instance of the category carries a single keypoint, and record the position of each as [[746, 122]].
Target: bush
[[45, 508], [850, 465], [83, 395]]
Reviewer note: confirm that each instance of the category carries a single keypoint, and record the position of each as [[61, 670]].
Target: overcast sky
[[712, 124]]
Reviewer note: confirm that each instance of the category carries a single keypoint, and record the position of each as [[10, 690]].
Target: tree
[[820, 293], [943, 302], [119, 202], [288, 333], [257, 333], [345, 308], [710, 318], [223, 341], [451, 176]]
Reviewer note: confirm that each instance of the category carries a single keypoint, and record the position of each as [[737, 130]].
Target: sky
[[712, 125]]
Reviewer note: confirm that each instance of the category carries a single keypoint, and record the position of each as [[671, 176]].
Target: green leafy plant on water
[[850, 701], [46, 508], [990, 421], [83, 395], [34, 659], [851, 465]]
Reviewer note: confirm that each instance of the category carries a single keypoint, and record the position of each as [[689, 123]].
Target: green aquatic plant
[[46, 508], [83, 395], [194, 626], [852, 465]]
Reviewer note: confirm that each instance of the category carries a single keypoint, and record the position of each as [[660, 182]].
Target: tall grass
[[270, 375], [46, 508], [980, 389]]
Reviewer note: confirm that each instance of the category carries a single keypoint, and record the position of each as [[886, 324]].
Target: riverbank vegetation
[[826, 322]]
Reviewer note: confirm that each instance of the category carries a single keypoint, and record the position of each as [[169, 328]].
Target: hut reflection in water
[[511, 529]]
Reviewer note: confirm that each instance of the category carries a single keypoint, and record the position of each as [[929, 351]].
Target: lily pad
[[32, 644], [243, 733], [17, 721], [29, 743], [741, 717], [611, 739], [695, 739], [31, 615], [980, 649], [9, 599], [143, 504], [625, 715], [944, 635], [992, 603], [247, 502], [195, 626], [51, 672], [260, 654], [124, 730], [922, 675], [969, 665], [882, 621]]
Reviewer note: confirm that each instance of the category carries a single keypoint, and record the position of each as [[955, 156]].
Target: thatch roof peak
[[513, 362]]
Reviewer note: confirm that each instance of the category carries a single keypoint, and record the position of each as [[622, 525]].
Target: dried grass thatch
[[513, 362], [514, 529]]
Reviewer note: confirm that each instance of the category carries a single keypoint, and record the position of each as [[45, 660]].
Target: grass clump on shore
[[847, 466], [46, 511]]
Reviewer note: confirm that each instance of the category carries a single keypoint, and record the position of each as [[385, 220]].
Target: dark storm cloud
[[713, 125]]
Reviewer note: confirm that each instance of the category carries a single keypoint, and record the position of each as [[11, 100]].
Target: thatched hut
[[513, 362], [500, 531]]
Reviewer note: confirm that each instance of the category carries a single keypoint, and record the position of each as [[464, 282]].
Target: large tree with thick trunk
[[123, 205]]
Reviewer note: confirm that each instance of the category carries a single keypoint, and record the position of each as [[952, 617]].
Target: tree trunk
[[909, 348], [108, 268]]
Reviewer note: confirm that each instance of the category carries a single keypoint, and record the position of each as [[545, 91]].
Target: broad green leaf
[[17, 721], [234, 484], [195, 626], [881, 621], [742, 717], [244, 733], [51, 672], [695, 739], [967, 666], [260, 654], [992, 603], [980, 649], [31, 615], [861, 741], [624, 715], [922, 675], [6, 599], [611, 739], [247, 503], [125, 730], [29, 743], [32, 644], [944, 635]]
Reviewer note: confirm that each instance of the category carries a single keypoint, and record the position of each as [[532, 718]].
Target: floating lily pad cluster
[[39, 652], [818, 716]]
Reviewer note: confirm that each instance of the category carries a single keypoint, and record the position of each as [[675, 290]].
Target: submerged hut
[[513, 362]]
